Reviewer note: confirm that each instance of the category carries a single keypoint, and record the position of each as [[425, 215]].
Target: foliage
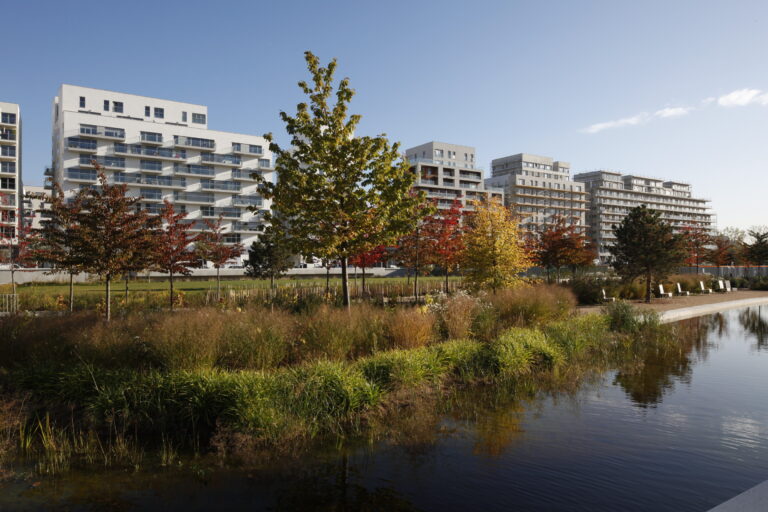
[[174, 253], [268, 257], [443, 231], [339, 194], [212, 246], [560, 244], [696, 239], [645, 246], [494, 254], [756, 251]]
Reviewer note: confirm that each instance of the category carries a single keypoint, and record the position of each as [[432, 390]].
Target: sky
[[674, 90]]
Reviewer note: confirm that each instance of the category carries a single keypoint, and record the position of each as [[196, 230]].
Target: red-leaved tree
[[368, 259], [174, 254], [212, 246], [443, 232], [696, 239]]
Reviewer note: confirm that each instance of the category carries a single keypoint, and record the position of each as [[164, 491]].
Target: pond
[[680, 430]]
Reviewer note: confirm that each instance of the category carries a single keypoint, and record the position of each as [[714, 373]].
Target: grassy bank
[[202, 379]]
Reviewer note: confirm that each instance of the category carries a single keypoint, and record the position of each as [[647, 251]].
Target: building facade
[[539, 189], [10, 171], [448, 173], [161, 150], [612, 195], [35, 207]]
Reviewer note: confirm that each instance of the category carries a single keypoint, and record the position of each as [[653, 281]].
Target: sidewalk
[[662, 305]]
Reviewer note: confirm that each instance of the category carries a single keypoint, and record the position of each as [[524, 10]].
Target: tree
[[111, 234], [646, 246], [213, 246], [696, 238], [721, 253], [174, 254], [494, 251], [368, 259], [339, 194], [56, 238], [757, 250], [562, 244], [443, 231], [268, 257]]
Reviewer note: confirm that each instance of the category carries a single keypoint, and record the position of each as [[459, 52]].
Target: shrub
[[410, 327], [457, 314]]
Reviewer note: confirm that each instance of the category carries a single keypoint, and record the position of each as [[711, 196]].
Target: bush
[[625, 318], [457, 314]]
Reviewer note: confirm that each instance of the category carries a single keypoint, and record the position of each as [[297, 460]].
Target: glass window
[[236, 146], [117, 106], [198, 118], [254, 149], [106, 105], [183, 117], [146, 111], [159, 113], [8, 118], [82, 101]]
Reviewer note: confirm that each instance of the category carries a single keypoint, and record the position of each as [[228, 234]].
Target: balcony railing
[[7, 135], [247, 149], [102, 131], [247, 226], [226, 212], [195, 142], [471, 175], [245, 174], [221, 159], [81, 174], [109, 162], [81, 144], [197, 170], [152, 138], [220, 185], [151, 194], [193, 197], [176, 154], [247, 200]]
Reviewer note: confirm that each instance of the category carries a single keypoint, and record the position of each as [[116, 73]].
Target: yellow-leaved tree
[[494, 251]]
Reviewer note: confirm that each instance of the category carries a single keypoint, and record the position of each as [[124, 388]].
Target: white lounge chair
[[681, 292], [606, 298], [728, 287], [720, 286], [662, 293], [703, 288]]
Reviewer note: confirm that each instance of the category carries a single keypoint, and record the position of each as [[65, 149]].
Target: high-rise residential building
[[10, 171], [448, 172], [612, 195], [161, 149], [35, 207], [539, 189]]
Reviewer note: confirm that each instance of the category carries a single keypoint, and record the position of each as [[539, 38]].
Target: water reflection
[[659, 367], [755, 322]]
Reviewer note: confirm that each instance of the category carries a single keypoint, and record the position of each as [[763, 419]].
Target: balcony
[[159, 153], [102, 132], [224, 186], [193, 197], [193, 142], [248, 201], [248, 227], [81, 175], [151, 138], [194, 170], [108, 162], [471, 175], [163, 181], [226, 213], [247, 149], [151, 195], [217, 159], [246, 174], [8, 137], [423, 181], [81, 145]]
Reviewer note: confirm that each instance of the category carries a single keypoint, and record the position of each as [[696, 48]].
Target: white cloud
[[742, 98], [672, 112], [627, 121]]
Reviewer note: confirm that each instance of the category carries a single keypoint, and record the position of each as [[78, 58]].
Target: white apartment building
[[539, 189], [613, 194], [10, 171], [161, 149], [34, 207], [448, 172]]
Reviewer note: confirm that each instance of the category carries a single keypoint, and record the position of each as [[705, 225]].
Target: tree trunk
[[170, 283], [416, 285], [363, 294], [344, 283], [13, 277], [327, 279], [71, 292], [108, 297], [126, 289], [271, 292], [218, 284], [446, 279], [648, 288]]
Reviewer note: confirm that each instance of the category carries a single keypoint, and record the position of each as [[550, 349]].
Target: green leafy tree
[[111, 236], [756, 250], [646, 246], [268, 257], [339, 194]]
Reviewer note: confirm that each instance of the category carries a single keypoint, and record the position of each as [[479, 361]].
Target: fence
[[728, 270], [391, 292], [9, 303]]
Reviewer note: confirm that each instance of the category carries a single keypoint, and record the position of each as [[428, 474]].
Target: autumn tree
[[756, 250], [174, 254], [212, 246], [696, 239], [443, 232], [111, 234], [368, 259], [340, 194], [494, 251], [269, 257], [562, 244], [646, 246], [56, 239]]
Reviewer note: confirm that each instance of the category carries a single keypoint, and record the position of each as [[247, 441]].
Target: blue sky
[[677, 90]]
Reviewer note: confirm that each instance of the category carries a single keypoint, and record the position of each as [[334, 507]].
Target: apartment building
[[10, 171], [448, 172], [161, 149], [612, 195], [35, 207], [539, 189]]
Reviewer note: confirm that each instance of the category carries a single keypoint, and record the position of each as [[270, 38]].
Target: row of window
[[159, 112]]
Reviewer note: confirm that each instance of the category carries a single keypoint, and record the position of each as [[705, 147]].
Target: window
[[159, 113], [236, 146], [439, 153], [198, 118], [8, 183], [256, 150], [82, 101], [8, 167], [265, 162], [146, 111], [8, 150], [117, 106], [106, 105], [8, 118], [183, 117], [151, 165]]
